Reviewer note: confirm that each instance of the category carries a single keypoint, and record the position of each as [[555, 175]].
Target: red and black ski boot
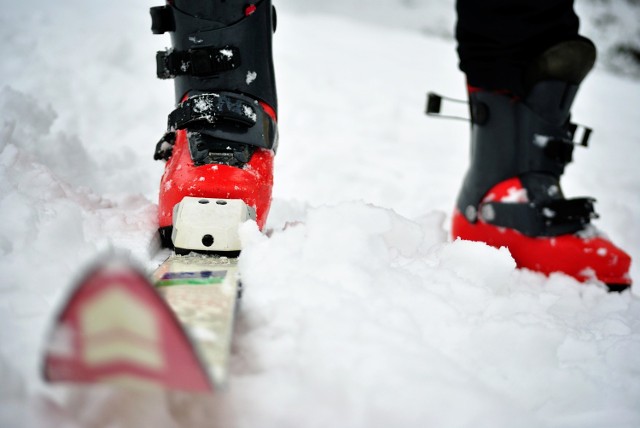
[[511, 195], [222, 136]]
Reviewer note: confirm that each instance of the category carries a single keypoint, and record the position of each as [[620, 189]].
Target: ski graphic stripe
[[191, 278], [115, 327]]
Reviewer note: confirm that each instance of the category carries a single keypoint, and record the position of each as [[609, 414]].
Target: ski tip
[[116, 329]]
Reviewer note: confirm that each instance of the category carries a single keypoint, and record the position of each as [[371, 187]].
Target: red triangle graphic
[[116, 328]]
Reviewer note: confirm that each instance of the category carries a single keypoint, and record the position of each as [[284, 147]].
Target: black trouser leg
[[497, 39]]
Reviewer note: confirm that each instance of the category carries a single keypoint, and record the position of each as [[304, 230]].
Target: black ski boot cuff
[[218, 46]]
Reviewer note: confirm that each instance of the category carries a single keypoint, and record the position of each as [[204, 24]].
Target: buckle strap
[[559, 211], [162, 20], [222, 119], [212, 108], [551, 218], [561, 149], [198, 62]]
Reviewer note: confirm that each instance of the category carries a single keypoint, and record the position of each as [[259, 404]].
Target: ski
[[203, 293], [172, 330]]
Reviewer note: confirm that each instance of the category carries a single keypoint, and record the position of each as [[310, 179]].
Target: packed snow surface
[[358, 311]]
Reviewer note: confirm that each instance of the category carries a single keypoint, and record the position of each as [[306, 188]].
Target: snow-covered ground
[[361, 315]]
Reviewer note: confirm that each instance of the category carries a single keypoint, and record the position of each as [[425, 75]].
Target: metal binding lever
[[434, 106]]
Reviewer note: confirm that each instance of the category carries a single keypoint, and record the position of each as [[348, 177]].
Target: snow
[[251, 77], [358, 311], [541, 140], [227, 53], [250, 113]]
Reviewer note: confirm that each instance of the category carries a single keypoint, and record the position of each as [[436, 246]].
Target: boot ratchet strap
[[223, 116], [212, 108], [550, 218]]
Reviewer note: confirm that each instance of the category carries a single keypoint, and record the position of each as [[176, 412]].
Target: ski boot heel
[[511, 195], [222, 136]]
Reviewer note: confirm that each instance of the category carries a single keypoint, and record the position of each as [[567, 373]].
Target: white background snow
[[363, 314]]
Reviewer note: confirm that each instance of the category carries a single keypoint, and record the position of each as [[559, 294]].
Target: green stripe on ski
[[201, 281], [204, 277]]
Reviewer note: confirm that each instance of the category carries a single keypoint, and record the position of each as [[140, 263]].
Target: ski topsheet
[[173, 332]]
